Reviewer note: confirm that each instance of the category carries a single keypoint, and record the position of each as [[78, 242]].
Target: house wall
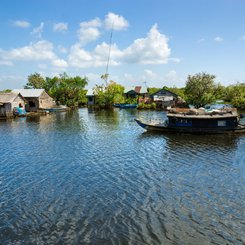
[[5, 110], [91, 100], [16, 103], [45, 101], [32, 104]]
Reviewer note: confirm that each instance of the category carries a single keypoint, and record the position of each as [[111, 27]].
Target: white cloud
[[62, 49], [41, 50], [60, 63], [243, 38], [218, 39], [79, 57], [115, 22], [150, 50], [93, 23], [37, 32], [42, 66], [60, 27], [175, 60], [21, 23], [88, 35], [149, 75], [172, 79], [89, 31]]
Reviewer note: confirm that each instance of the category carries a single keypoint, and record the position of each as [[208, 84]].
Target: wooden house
[[36, 99], [135, 92], [90, 97], [8, 101], [164, 98]]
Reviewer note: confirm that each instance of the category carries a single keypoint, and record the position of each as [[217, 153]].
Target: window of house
[[221, 123]]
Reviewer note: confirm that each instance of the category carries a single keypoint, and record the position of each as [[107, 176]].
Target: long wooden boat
[[218, 122], [125, 106]]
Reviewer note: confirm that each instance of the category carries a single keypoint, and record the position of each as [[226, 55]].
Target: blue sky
[[160, 42]]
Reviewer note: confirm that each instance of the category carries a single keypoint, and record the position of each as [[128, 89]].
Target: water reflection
[[95, 178]]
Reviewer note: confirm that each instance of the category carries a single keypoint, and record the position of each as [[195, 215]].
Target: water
[[96, 178]]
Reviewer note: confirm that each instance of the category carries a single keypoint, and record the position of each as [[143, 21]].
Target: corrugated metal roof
[[29, 92], [136, 89], [7, 97], [129, 88]]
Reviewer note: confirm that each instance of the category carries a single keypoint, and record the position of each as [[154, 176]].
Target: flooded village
[[91, 175], [122, 122]]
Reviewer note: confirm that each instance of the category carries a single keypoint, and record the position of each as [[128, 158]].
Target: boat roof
[[207, 116], [202, 113]]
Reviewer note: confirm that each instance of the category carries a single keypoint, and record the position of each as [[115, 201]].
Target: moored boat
[[197, 122], [125, 106]]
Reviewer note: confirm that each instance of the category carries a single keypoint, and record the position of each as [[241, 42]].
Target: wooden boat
[[19, 112], [125, 106], [197, 122]]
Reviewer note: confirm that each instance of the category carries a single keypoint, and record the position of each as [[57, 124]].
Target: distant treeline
[[200, 89]]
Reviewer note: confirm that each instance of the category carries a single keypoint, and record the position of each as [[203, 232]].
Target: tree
[[64, 89], [35, 81], [68, 90], [219, 92], [235, 94], [6, 91], [199, 89], [107, 95]]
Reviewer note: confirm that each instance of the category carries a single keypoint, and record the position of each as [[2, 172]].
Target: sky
[[154, 43]]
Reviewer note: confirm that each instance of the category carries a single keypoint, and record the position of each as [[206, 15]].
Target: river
[[82, 177]]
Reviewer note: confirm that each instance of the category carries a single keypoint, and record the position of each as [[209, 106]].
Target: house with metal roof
[[164, 98], [90, 97], [37, 99], [10, 101], [134, 91]]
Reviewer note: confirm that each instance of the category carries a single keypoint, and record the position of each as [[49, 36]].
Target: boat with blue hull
[[197, 122], [125, 106]]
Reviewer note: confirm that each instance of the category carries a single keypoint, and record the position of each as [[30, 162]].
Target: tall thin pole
[[109, 55]]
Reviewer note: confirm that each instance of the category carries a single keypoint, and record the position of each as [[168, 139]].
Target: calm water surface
[[96, 178]]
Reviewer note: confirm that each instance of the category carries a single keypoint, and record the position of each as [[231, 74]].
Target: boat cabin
[[222, 119]]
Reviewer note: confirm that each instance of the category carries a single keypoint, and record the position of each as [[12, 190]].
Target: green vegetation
[[235, 94], [6, 91], [107, 95], [64, 89], [200, 90], [147, 106]]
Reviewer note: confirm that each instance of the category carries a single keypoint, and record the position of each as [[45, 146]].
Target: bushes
[[142, 106]]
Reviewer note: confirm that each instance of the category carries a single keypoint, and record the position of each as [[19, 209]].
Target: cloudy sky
[[157, 42]]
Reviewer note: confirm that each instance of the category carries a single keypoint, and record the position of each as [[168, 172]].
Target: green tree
[[235, 94], [152, 90], [64, 89], [107, 95], [6, 91], [199, 89], [68, 90], [35, 81], [219, 92]]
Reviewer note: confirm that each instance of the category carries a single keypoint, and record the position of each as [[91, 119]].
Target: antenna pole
[[108, 60]]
